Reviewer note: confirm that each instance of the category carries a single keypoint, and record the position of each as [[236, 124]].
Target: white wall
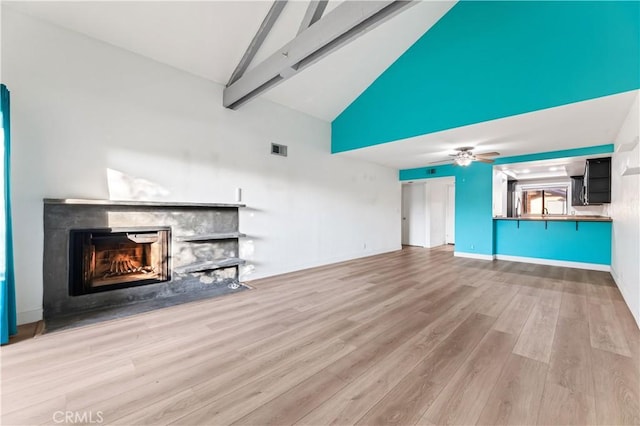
[[90, 120], [500, 180], [450, 212], [625, 212], [436, 210]]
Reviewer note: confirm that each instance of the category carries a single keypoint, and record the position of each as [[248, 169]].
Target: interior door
[[414, 215], [450, 217], [406, 202]]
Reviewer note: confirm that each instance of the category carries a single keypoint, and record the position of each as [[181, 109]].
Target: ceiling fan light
[[463, 161]]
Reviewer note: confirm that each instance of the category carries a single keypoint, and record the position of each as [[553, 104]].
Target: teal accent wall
[[488, 60], [565, 153], [474, 210], [591, 243], [429, 172]]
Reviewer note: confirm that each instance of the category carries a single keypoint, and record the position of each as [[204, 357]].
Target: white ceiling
[[545, 169], [588, 123], [327, 87], [208, 38]]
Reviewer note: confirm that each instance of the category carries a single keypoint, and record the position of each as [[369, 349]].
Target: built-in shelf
[[212, 237], [628, 171], [226, 262]]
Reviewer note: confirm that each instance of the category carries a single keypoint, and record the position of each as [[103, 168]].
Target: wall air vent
[[277, 149]]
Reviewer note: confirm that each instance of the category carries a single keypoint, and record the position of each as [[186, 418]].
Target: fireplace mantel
[[135, 203]]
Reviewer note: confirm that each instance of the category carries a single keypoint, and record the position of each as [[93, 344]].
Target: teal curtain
[[8, 324]]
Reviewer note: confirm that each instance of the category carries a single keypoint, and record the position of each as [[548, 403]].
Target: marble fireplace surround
[[203, 254]]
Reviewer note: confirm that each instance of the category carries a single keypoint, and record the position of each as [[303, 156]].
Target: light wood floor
[[412, 337]]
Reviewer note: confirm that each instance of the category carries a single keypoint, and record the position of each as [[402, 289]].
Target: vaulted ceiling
[[208, 39], [416, 67], [487, 60]]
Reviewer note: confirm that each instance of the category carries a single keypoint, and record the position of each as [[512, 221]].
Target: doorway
[[414, 214], [428, 212]]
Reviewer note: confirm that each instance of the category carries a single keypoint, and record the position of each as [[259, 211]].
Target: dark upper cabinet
[[577, 194], [597, 181]]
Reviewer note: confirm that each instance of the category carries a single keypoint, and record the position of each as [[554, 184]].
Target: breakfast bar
[[584, 240]]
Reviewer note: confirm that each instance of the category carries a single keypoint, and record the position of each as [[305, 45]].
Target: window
[[545, 200]]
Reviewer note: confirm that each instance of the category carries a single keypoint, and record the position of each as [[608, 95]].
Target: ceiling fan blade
[[441, 161], [488, 154], [484, 160]]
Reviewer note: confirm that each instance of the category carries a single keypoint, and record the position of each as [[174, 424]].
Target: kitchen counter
[[566, 218]]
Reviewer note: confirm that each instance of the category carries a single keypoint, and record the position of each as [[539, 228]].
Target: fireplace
[[110, 259], [106, 259]]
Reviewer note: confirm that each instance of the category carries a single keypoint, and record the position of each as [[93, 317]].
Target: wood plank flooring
[[411, 337]]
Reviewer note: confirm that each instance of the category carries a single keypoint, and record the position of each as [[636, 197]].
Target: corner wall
[[625, 211], [94, 121], [473, 217]]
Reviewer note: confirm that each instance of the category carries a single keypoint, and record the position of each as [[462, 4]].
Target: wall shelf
[[212, 237], [629, 171], [134, 203], [629, 146], [225, 262]]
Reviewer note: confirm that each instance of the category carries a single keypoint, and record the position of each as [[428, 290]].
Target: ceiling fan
[[465, 156]]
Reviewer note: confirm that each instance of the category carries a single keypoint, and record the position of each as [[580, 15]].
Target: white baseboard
[[27, 317], [551, 262], [473, 255], [625, 296], [308, 265]]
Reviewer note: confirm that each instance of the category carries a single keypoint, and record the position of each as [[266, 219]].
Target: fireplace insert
[[112, 258]]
